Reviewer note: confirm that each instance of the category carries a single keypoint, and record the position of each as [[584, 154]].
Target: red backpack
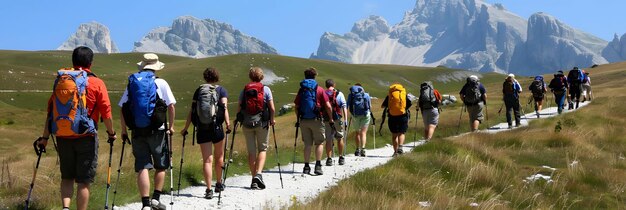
[[253, 101], [332, 99]]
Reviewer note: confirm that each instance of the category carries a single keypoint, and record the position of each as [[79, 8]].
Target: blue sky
[[293, 27]]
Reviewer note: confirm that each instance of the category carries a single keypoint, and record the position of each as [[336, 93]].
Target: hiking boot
[[342, 160], [400, 151], [329, 162], [208, 194], [306, 170], [357, 152], [254, 185], [318, 169], [157, 205], [258, 179], [362, 153], [219, 187]]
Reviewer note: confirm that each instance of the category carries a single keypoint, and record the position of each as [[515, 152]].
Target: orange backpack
[[69, 113]]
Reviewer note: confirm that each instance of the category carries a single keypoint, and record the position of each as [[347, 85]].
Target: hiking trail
[[299, 187]]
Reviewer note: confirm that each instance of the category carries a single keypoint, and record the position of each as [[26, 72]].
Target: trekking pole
[[345, 138], [500, 110], [295, 143], [169, 137], [106, 195], [119, 169], [280, 173], [380, 128], [227, 163], [373, 130], [417, 113], [38, 151], [54, 141], [458, 128], [182, 156]]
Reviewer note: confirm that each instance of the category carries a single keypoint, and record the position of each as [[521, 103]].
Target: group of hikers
[[324, 116]]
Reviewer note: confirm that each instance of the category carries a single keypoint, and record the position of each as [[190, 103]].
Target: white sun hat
[[150, 61]]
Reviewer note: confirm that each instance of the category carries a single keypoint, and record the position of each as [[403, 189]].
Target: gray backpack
[[207, 104], [472, 92]]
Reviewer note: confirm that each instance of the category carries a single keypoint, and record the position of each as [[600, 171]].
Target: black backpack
[[537, 88], [427, 99], [472, 92], [574, 77]]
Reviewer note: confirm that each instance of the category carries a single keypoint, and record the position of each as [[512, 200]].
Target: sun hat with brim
[[150, 61]]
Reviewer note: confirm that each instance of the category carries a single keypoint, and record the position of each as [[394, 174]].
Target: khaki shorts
[[475, 112], [313, 131], [361, 122], [256, 139], [334, 134]]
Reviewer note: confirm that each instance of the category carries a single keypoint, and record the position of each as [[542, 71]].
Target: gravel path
[[299, 187]]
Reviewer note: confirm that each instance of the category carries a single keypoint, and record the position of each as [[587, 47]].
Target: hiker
[[428, 102], [398, 115], [146, 104], [256, 113], [510, 91], [474, 96], [339, 110], [538, 90], [310, 102], [559, 85], [587, 88], [208, 114], [575, 79], [359, 104], [77, 146]]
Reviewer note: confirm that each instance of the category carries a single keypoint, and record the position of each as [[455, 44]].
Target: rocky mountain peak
[[93, 35]]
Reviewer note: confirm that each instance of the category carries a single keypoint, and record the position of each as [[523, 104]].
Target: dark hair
[[211, 75], [330, 83], [310, 73], [82, 57], [358, 84]]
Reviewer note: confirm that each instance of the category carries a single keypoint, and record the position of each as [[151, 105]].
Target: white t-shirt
[[163, 90]]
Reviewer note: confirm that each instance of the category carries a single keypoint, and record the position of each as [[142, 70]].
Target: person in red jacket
[[78, 156]]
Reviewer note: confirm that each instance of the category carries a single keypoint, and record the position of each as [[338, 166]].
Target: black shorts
[[214, 135], [78, 158], [398, 124], [537, 99]]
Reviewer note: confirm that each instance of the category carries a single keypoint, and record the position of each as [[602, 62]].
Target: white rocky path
[[299, 187]]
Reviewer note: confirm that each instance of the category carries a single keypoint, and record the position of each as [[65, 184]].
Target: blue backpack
[[309, 106], [358, 104], [144, 108]]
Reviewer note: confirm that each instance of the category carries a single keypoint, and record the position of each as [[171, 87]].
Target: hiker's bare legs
[[307, 153], [67, 189], [340, 146], [218, 155], [363, 134], [401, 139], [319, 149], [82, 196], [429, 131], [159, 179], [474, 125], [394, 141], [260, 162], [143, 182], [329, 148], [207, 163]]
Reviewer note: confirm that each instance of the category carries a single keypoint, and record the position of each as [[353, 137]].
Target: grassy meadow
[[582, 152], [24, 74]]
